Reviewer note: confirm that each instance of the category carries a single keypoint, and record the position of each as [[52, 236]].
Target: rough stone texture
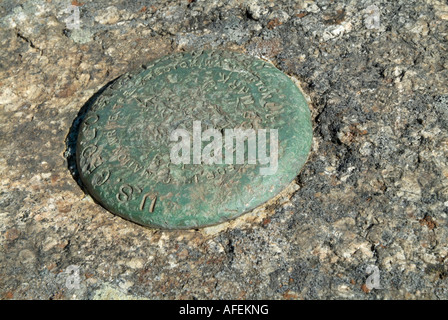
[[374, 191]]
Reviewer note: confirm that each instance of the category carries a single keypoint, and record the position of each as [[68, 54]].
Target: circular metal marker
[[194, 140]]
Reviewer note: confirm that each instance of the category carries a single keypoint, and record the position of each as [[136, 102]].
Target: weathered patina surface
[[124, 143]]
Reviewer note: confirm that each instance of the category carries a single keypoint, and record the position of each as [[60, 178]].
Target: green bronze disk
[[139, 146]]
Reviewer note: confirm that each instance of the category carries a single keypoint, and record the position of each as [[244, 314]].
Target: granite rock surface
[[372, 196]]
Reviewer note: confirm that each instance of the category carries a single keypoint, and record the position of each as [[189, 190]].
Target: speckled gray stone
[[373, 193]]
